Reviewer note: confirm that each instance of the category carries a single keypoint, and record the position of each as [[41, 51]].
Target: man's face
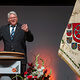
[[13, 19]]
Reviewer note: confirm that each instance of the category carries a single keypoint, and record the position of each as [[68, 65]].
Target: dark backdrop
[[47, 24]]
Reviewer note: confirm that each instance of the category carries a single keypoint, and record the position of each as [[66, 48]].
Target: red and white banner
[[69, 49]]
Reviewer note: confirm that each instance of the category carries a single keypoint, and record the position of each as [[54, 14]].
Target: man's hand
[[24, 27]]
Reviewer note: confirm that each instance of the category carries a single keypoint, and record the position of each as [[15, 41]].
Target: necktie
[[12, 33]]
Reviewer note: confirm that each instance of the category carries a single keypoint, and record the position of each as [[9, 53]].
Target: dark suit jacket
[[18, 44]]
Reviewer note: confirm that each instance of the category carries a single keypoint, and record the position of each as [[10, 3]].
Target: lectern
[[10, 62]]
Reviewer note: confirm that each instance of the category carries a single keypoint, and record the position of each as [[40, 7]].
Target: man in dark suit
[[15, 35]]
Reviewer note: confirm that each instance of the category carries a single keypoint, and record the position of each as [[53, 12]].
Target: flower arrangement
[[35, 72]]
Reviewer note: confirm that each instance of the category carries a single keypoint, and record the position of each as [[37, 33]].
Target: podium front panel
[[10, 67]]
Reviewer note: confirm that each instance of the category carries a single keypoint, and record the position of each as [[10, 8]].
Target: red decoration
[[69, 26], [76, 32]]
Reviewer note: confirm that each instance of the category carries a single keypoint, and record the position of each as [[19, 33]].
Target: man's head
[[12, 18]]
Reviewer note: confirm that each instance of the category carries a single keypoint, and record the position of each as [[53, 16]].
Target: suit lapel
[[16, 31], [8, 31]]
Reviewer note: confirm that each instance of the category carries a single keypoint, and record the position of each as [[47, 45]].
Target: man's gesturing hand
[[24, 27]]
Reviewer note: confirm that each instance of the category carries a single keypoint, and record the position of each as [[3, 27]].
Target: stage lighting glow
[[78, 78], [49, 57]]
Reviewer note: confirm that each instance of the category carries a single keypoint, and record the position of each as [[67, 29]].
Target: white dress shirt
[[11, 28]]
